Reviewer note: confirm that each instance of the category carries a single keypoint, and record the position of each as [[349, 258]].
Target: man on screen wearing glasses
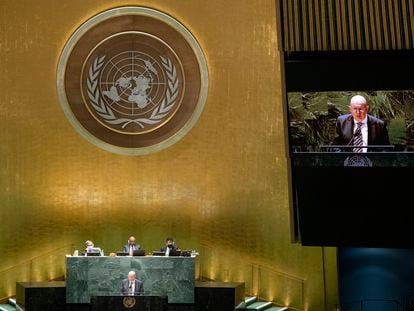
[[359, 129]]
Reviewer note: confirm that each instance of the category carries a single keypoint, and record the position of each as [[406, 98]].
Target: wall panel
[[225, 184]]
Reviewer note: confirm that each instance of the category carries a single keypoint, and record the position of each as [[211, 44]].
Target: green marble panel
[[102, 276]]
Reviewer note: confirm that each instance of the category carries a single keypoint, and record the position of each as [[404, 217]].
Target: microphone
[[338, 147]]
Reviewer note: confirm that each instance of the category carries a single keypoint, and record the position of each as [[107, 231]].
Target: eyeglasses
[[359, 109]]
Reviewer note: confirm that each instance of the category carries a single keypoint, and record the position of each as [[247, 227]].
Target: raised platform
[[51, 296], [41, 296], [218, 296]]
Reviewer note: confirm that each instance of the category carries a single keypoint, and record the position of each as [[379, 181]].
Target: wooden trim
[[411, 22], [358, 25], [372, 25], [352, 18], [305, 26], [331, 15], [385, 22], [323, 25], [298, 41], [391, 24], [311, 28], [368, 35], [318, 22], [397, 23]]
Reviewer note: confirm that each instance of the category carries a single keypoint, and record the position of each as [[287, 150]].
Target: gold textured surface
[[222, 189]]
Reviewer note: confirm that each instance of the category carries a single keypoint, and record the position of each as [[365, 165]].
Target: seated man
[[131, 286], [169, 246], [131, 246], [91, 249]]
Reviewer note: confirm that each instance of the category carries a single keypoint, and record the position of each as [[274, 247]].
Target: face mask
[[170, 245]]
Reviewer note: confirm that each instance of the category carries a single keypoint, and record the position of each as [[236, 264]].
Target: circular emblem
[[357, 160], [132, 80], [129, 302]]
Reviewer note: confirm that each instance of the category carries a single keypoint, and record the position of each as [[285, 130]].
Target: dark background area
[[351, 206], [349, 70], [355, 206], [377, 279]]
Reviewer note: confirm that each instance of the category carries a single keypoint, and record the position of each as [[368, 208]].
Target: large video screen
[[351, 186], [351, 139], [327, 121]]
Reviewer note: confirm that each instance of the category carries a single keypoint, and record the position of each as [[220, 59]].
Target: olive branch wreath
[[106, 112]]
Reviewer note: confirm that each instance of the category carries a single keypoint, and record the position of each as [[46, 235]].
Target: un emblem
[[132, 80], [132, 91], [129, 302], [358, 161]]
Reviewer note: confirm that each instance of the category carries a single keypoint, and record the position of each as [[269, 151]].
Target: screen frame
[[324, 71]]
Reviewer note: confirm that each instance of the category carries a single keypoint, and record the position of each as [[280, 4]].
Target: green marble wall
[[93, 276]]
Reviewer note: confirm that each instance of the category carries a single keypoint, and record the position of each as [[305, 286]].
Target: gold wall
[[222, 189]]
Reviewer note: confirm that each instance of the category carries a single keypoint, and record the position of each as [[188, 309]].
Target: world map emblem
[[358, 161], [132, 80], [129, 302], [132, 90]]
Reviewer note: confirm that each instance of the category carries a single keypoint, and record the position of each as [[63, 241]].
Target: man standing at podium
[[131, 286], [359, 128]]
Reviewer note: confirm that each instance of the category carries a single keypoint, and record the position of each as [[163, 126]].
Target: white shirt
[[364, 132], [131, 290]]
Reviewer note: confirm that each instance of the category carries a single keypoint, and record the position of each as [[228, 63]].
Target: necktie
[[358, 138], [131, 290]]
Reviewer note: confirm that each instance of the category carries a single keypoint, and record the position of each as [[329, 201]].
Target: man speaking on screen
[[359, 129]]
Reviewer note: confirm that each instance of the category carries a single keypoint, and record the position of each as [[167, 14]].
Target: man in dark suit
[[131, 246], [169, 246], [131, 286], [360, 129]]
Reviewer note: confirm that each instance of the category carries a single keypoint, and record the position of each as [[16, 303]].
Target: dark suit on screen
[[139, 287], [377, 131]]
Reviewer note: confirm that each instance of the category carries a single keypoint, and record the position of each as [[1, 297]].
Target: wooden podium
[[129, 303]]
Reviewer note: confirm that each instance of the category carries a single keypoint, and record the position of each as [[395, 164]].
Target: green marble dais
[[102, 276]]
